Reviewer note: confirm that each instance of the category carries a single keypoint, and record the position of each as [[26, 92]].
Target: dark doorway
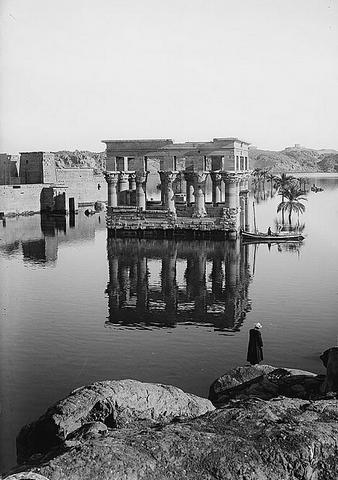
[[71, 205]]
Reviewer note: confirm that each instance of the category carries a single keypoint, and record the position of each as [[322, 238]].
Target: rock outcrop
[[266, 382], [330, 362], [112, 403], [126, 429], [249, 439]]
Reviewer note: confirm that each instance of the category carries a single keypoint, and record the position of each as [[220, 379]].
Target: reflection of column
[[217, 276], [167, 179], [133, 278], [232, 263], [123, 276], [111, 179], [132, 182], [199, 184], [168, 276], [141, 178], [142, 285], [201, 291], [216, 179], [189, 187], [195, 279], [123, 181], [113, 286]]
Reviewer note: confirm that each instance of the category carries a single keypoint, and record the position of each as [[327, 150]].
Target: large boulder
[[330, 361], [112, 403], [249, 439], [266, 382]]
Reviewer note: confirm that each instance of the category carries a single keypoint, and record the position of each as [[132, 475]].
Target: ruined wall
[[83, 184], [20, 198], [9, 167]]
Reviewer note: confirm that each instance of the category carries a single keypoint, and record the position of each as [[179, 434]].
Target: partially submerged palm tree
[[282, 183], [293, 194]]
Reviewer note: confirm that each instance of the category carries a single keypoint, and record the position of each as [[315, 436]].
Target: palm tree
[[293, 203], [282, 182], [271, 178]]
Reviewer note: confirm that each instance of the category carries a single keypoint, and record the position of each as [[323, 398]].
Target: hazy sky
[[74, 72]]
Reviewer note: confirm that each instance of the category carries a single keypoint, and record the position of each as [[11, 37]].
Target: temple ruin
[[187, 173]]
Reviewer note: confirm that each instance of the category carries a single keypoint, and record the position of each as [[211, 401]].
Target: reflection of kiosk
[[163, 282]]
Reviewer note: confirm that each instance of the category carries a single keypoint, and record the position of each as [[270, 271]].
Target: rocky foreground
[[132, 430]]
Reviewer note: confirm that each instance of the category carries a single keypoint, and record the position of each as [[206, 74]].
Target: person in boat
[[255, 348], [269, 231]]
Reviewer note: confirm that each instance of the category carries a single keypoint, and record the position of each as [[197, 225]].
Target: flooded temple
[[186, 172], [162, 283]]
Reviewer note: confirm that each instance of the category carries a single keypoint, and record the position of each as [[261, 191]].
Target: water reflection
[[164, 282], [38, 237]]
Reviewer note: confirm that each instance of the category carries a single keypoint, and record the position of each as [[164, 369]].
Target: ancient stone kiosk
[[186, 172]]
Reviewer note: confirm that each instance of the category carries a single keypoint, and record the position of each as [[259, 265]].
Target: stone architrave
[[112, 179], [123, 181], [216, 179], [141, 178], [167, 179], [132, 181], [199, 185]]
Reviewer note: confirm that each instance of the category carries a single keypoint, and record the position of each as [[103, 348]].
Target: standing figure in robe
[[255, 348]]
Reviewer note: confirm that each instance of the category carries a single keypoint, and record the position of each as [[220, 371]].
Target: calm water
[[76, 309]]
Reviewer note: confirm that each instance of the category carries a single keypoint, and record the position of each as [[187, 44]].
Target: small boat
[[274, 237], [316, 189]]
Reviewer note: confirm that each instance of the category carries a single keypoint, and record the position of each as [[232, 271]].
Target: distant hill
[[291, 159], [295, 159]]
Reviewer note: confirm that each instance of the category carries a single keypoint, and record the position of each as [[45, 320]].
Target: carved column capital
[[216, 177], [195, 177], [167, 176], [230, 178], [111, 177], [123, 176], [141, 177]]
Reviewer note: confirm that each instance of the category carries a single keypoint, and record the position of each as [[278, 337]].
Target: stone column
[[190, 187], [123, 181], [162, 178], [111, 179], [216, 179], [231, 190], [141, 178], [199, 184], [246, 212], [167, 179], [132, 181], [242, 210], [232, 203]]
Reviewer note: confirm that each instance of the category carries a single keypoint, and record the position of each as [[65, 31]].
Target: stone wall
[[37, 167], [9, 165], [20, 198], [85, 186]]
